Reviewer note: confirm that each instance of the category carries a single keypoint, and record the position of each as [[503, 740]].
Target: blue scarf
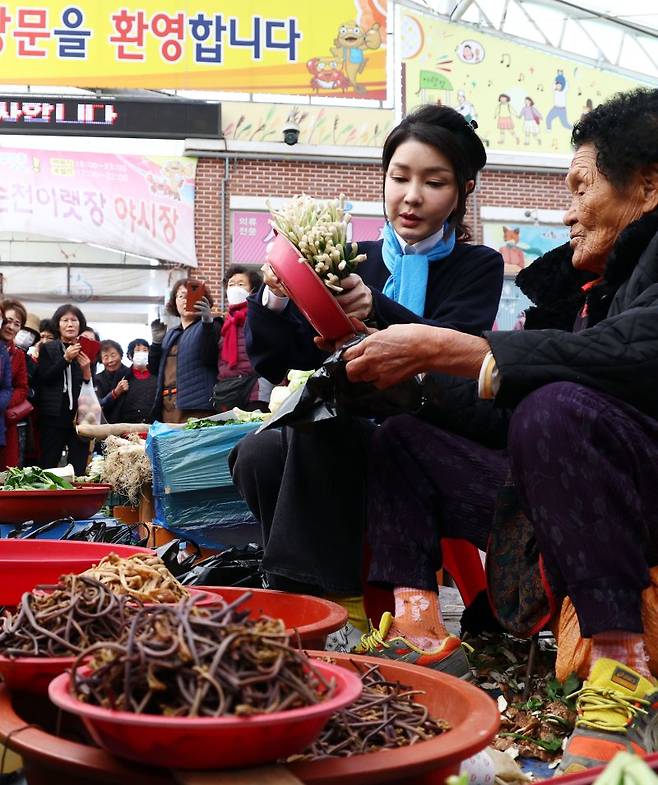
[[407, 283]]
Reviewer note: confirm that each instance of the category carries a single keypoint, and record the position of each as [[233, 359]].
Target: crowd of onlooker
[[195, 368]]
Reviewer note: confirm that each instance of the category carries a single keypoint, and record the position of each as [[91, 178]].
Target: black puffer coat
[[616, 352]]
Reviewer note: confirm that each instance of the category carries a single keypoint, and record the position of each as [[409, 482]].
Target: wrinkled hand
[[85, 365], [121, 388], [356, 297], [390, 356], [272, 282], [403, 350], [202, 308], [158, 331], [72, 352]]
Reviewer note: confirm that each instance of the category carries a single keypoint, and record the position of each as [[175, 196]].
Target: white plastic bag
[[89, 407]]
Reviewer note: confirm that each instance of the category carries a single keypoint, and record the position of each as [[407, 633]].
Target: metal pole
[[222, 251]]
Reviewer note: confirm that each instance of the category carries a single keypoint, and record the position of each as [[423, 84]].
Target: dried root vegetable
[[126, 466], [185, 661], [140, 576], [63, 619], [385, 716]]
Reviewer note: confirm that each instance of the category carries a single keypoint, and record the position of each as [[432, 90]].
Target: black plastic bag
[[231, 567], [96, 531], [176, 559], [328, 393]]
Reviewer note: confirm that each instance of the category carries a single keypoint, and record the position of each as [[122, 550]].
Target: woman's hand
[[356, 297], [403, 350], [272, 282], [121, 388], [202, 309], [158, 331], [72, 352], [85, 365]]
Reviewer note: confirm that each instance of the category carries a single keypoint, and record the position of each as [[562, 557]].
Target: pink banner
[[138, 204], [251, 233]]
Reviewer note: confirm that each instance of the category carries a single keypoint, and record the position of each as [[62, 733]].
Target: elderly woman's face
[[598, 211]]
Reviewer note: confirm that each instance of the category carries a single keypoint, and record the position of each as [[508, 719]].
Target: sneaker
[[607, 705], [346, 639], [449, 657]]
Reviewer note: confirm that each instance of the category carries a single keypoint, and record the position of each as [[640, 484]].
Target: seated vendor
[[566, 409]]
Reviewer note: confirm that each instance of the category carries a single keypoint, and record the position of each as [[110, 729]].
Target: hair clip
[[473, 124]]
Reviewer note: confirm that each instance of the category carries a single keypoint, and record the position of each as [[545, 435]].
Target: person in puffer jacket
[[185, 358], [562, 422]]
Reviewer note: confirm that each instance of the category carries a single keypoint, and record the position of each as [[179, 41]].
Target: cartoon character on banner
[[326, 75], [470, 52], [511, 251], [170, 181], [505, 118], [532, 118], [559, 109], [349, 47], [465, 108]]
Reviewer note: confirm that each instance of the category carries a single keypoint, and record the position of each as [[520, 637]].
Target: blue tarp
[[193, 493]]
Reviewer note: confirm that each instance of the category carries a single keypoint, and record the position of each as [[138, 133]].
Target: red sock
[[418, 618], [625, 647]]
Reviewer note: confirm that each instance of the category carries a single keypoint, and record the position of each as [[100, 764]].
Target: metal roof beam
[[460, 9], [524, 11]]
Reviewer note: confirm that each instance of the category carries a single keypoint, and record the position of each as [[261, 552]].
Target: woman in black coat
[[62, 369], [308, 488], [556, 433]]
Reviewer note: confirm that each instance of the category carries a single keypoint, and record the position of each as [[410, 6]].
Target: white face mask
[[236, 295], [140, 359]]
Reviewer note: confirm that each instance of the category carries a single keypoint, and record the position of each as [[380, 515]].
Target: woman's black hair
[[110, 344], [62, 311], [255, 278], [137, 342], [46, 324], [170, 307], [624, 131], [454, 137]]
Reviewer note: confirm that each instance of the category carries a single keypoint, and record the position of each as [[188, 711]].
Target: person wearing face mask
[[63, 367], [19, 408], [238, 383], [111, 382], [136, 401]]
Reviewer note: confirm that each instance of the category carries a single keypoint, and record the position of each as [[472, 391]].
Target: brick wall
[[363, 182]]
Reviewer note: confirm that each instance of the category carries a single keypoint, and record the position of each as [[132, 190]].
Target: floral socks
[[418, 618]]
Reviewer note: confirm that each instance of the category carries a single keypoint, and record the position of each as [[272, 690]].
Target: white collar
[[422, 246]]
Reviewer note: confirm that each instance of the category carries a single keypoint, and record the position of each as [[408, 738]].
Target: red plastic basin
[[474, 720], [312, 618], [26, 563], [206, 742], [32, 674], [307, 291], [43, 506]]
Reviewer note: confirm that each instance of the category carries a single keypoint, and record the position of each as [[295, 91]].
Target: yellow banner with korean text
[[282, 46]]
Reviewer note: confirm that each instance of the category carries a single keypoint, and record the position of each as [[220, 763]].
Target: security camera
[[291, 133]]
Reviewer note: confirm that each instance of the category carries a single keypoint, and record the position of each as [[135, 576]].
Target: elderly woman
[[566, 410]]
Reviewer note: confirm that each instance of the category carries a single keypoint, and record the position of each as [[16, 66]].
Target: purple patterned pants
[[586, 466]]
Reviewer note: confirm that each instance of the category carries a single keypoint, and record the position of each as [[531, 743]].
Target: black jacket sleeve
[[155, 355], [279, 341], [51, 362], [619, 356], [209, 343]]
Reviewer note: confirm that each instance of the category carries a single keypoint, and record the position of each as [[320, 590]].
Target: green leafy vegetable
[[32, 478]]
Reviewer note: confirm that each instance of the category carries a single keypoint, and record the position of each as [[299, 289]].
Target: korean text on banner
[[282, 46], [138, 204]]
